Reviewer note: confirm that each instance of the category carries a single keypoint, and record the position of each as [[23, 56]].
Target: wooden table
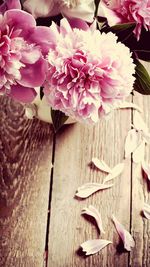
[[26, 151]]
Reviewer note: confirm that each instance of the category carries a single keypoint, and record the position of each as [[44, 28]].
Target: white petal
[[146, 169], [132, 141], [126, 104], [138, 154], [126, 237], [116, 171], [139, 122], [92, 211], [89, 188], [93, 246], [101, 165], [146, 211]]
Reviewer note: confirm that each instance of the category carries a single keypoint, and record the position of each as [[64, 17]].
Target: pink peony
[[122, 11], [89, 72], [9, 4], [22, 66], [83, 9]]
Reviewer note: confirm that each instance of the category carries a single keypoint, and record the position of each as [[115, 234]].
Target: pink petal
[[78, 23], [84, 10], [126, 105], [112, 17], [138, 154], [93, 246], [20, 19], [33, 74], [90, 188], [22, 94], [126, 237], [132, 141], [146, 169], [31, 56], [9, 4], [101, 165], [44, 37], [92, 211], [146, 211], [116, 171]]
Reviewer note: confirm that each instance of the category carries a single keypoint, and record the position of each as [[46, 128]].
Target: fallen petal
[[101, 165], [146, 169], [126, 104], [93, 246], [116, 171], [126, 237], [132, 141], [92, 211], [138, 154], [90, 188], [146, 211]]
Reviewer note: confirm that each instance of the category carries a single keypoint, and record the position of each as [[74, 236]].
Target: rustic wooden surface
[[25, 164]]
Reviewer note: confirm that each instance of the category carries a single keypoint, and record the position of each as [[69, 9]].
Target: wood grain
[[25, 156], [140, 256], [75, 147]]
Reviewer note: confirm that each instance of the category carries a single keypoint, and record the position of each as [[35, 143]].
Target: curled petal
[[93, 246], [112, 17], [20, 19], [101, 165], [9, 4], [33, 74], [146, 211], [116, 171], [40, 8], [138, 154], [132, 141], [78, 23], [92, 211], [22, 94], [90, 188], [126, 237]]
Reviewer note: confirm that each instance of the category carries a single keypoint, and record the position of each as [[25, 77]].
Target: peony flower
[[83, 9], [21, 54], [123, 11], [89, 72]]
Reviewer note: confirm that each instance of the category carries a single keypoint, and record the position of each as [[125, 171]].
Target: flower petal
[[126, 237], [33, 74], [92, 211], [22, 94], [9, 4], [138, 154], [84, 10], [90, 188], [112, 17], [116, 171], [146, 211], [146, 169], [132, 141], [78, 23], [40, 8], [101, 165], [93, 246], [139, 123], [44, 37]]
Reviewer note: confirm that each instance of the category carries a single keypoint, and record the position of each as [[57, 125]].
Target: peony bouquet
[[80, 59]]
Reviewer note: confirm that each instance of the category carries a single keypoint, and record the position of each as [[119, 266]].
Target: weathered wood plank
[[25, 156], [76, 145], [140, 256]]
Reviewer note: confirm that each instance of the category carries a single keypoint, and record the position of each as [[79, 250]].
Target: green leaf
[[41, 93], [123, 27], [142, 83], [58, 119]]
